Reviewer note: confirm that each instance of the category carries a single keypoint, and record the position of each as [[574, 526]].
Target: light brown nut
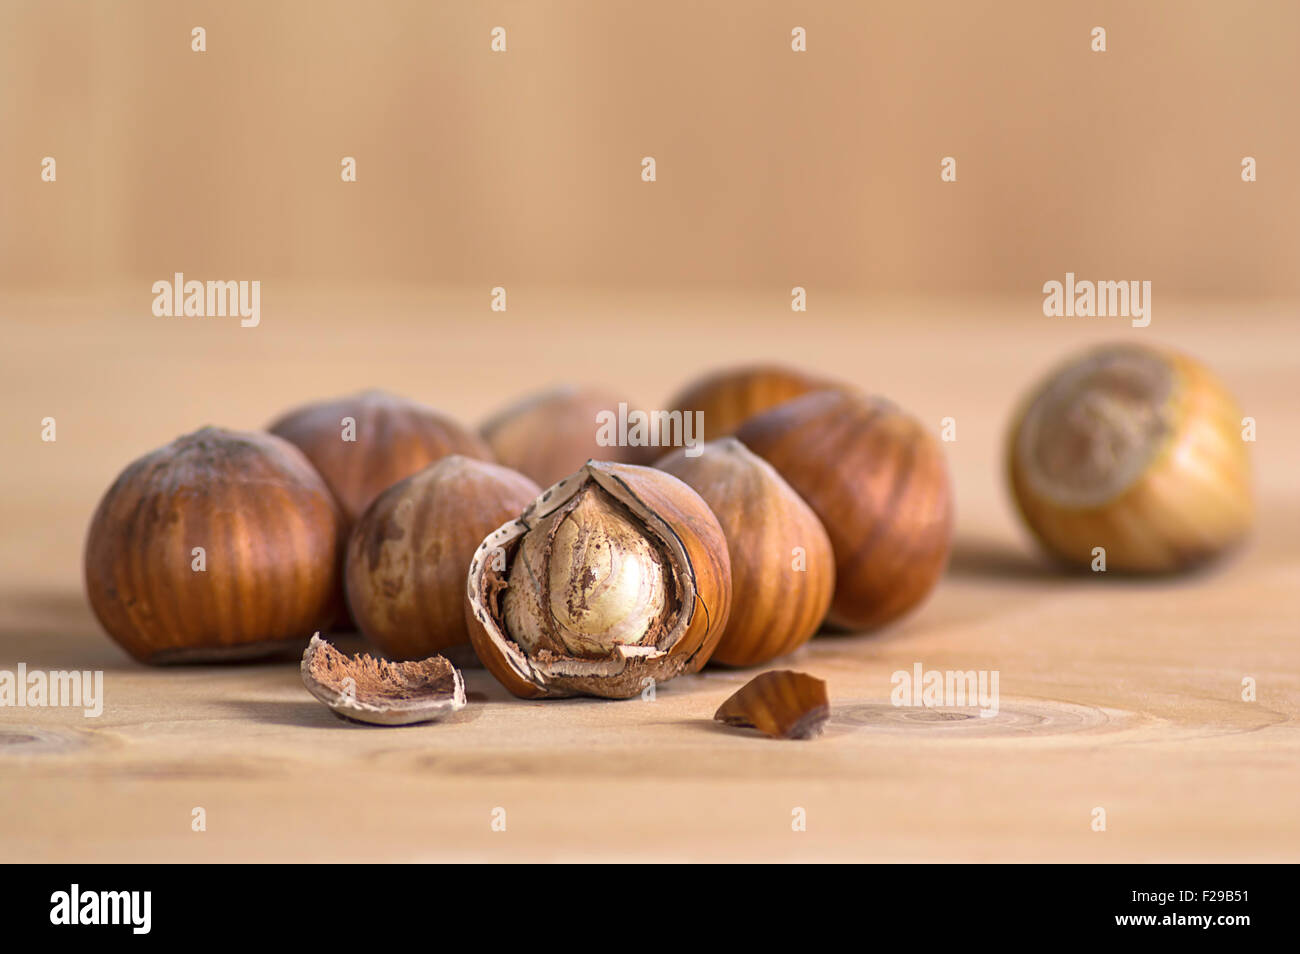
[[409, 552], [222, 545], [1137, 451], [729, 397], [393, 438], [550, 435], [782, 566], [878, 482]]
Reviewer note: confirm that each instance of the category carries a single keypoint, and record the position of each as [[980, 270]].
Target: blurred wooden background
[[775, 168]]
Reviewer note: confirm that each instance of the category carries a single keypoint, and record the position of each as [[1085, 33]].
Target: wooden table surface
[[1115, 694]]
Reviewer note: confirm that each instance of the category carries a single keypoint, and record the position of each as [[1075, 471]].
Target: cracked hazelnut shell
[[395, 437], [1137, 450], [271, 534], [408, 554], [878, 482], [550, 435], [614, 577], [782, 565]]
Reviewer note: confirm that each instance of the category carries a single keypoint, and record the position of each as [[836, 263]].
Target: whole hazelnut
[[409, 552], [365, 443], [220, 545], [613, 580], [550, 435], [1135, 452], [729, 397], [782, 566], [878, 482]]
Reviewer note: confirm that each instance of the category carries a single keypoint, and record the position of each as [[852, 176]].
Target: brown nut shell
[[364, 689], [731, 396], [878, 482], [1137, 451], [782, 565], [782, 704], [550, 435], [271, 535], [409, 552], [394, 437], [566, 573]]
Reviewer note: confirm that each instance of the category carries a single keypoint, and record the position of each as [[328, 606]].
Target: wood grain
[[1118, 694]]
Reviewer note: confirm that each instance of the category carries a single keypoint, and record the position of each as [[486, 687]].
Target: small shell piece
[[676, 523], [364, 689], [1136, 451], [782, 703]]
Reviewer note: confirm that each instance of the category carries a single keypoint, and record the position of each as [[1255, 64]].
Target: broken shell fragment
[[782, 703], [614, 579], [364, 689]]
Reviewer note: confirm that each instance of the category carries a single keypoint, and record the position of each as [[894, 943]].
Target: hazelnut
[[408, 553], [220, 545], [1136, 450], [878, 482], [782, 567], [364, 689], [550, 435], [614, 579], [389, 438], [731, 396]]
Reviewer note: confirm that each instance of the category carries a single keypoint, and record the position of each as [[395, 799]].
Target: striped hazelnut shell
[[782, 565], [1135, 450], [394, 437], [674, 520], [550, 435], [271, 535], [878, 482], [729, 397], [407, 555]]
